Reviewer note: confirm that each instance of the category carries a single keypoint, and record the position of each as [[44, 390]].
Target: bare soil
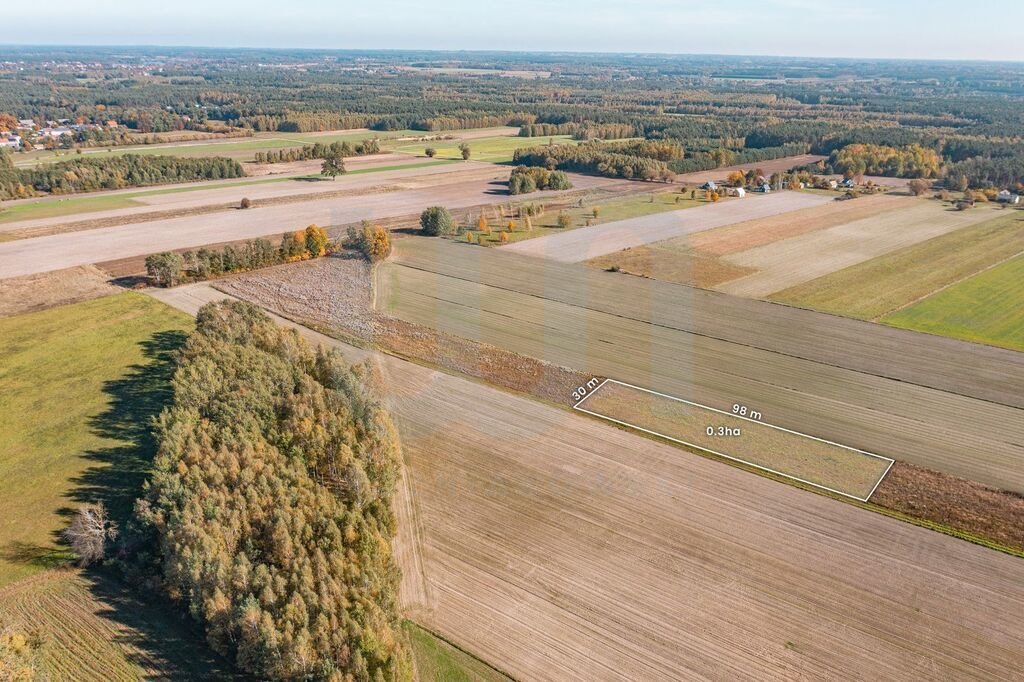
[[558, 547], [50, 289], [679, 265]]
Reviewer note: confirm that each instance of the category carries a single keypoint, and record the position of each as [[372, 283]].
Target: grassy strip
[[986, 308], [438, 660], [77, 387], [874, 288]]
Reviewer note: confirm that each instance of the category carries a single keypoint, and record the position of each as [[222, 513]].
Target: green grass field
[[438, 661], [77, 386], [491, 149], [986, 308], [876, 287], [609, 211]]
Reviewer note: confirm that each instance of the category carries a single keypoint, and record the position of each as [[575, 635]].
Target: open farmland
[[25, 215], [555, 546], [787, 263], [479, 184], [801, 369], [581, 245], [986, 308], [697, 259], [882, 285]]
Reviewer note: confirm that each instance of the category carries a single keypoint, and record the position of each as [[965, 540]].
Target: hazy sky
[[986, 29]]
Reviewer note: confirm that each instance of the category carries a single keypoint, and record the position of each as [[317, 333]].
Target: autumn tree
[[919, 187], [564, 220], [737, 178], [372, 241], [431, 152], [316, 240], [465, 151]]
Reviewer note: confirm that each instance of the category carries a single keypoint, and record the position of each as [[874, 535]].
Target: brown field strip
[[557, 547], [809, 460], [843, 404], [787, 263], [669, 262]]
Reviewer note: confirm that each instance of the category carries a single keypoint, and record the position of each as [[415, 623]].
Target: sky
[[926, 29]]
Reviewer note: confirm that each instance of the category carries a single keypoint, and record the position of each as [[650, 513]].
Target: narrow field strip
[[823, 464]]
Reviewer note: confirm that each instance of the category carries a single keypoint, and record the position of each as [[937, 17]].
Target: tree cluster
[[270, 504], [320, 151], [912, 161], [594, 158], [526, 179], [371, 240], [169, 268]]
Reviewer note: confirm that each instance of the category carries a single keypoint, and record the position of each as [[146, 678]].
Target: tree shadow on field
[[154, 633], [135, 400]]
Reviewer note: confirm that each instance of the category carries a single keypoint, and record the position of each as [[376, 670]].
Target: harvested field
[[790, 262], [881, 285], [769, 167], [815, 374], [336, 293], [559, 547], [583, 244], [986, 308], [94, 628], [50, 289], [670, 261], [55, 252], [826, 465], [748, 235]]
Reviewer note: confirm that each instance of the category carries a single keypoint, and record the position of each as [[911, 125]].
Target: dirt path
[[557, 547], [590, 242]]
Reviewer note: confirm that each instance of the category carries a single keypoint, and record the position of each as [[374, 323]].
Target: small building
[[10, 141], [1008, 197], [832, 184], [709, 186], [739, 192], [848, 183], [764, 188], [27, 124]]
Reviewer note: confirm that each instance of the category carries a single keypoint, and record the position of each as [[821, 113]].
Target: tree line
[[112, 172], [594, 158], [169, 268], [269, 511], [320, 151], [530, 179]]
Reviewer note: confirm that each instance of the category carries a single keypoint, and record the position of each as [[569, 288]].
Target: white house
[[740, 192], [833, 184], [27, 123], [1008, 197], [11, 141]]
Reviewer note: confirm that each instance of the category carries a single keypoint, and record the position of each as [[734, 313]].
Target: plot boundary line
[[578, 406]]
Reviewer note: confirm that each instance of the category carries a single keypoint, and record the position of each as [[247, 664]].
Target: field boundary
[[578, 406]]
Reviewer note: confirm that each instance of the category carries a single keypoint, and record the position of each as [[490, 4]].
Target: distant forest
[[719, 110]]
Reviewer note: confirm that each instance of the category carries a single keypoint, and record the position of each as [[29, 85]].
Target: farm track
[[557, 547], [816, 374], [583, 244]]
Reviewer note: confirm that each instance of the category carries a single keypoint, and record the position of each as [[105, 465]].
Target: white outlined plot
[[834, 467]]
